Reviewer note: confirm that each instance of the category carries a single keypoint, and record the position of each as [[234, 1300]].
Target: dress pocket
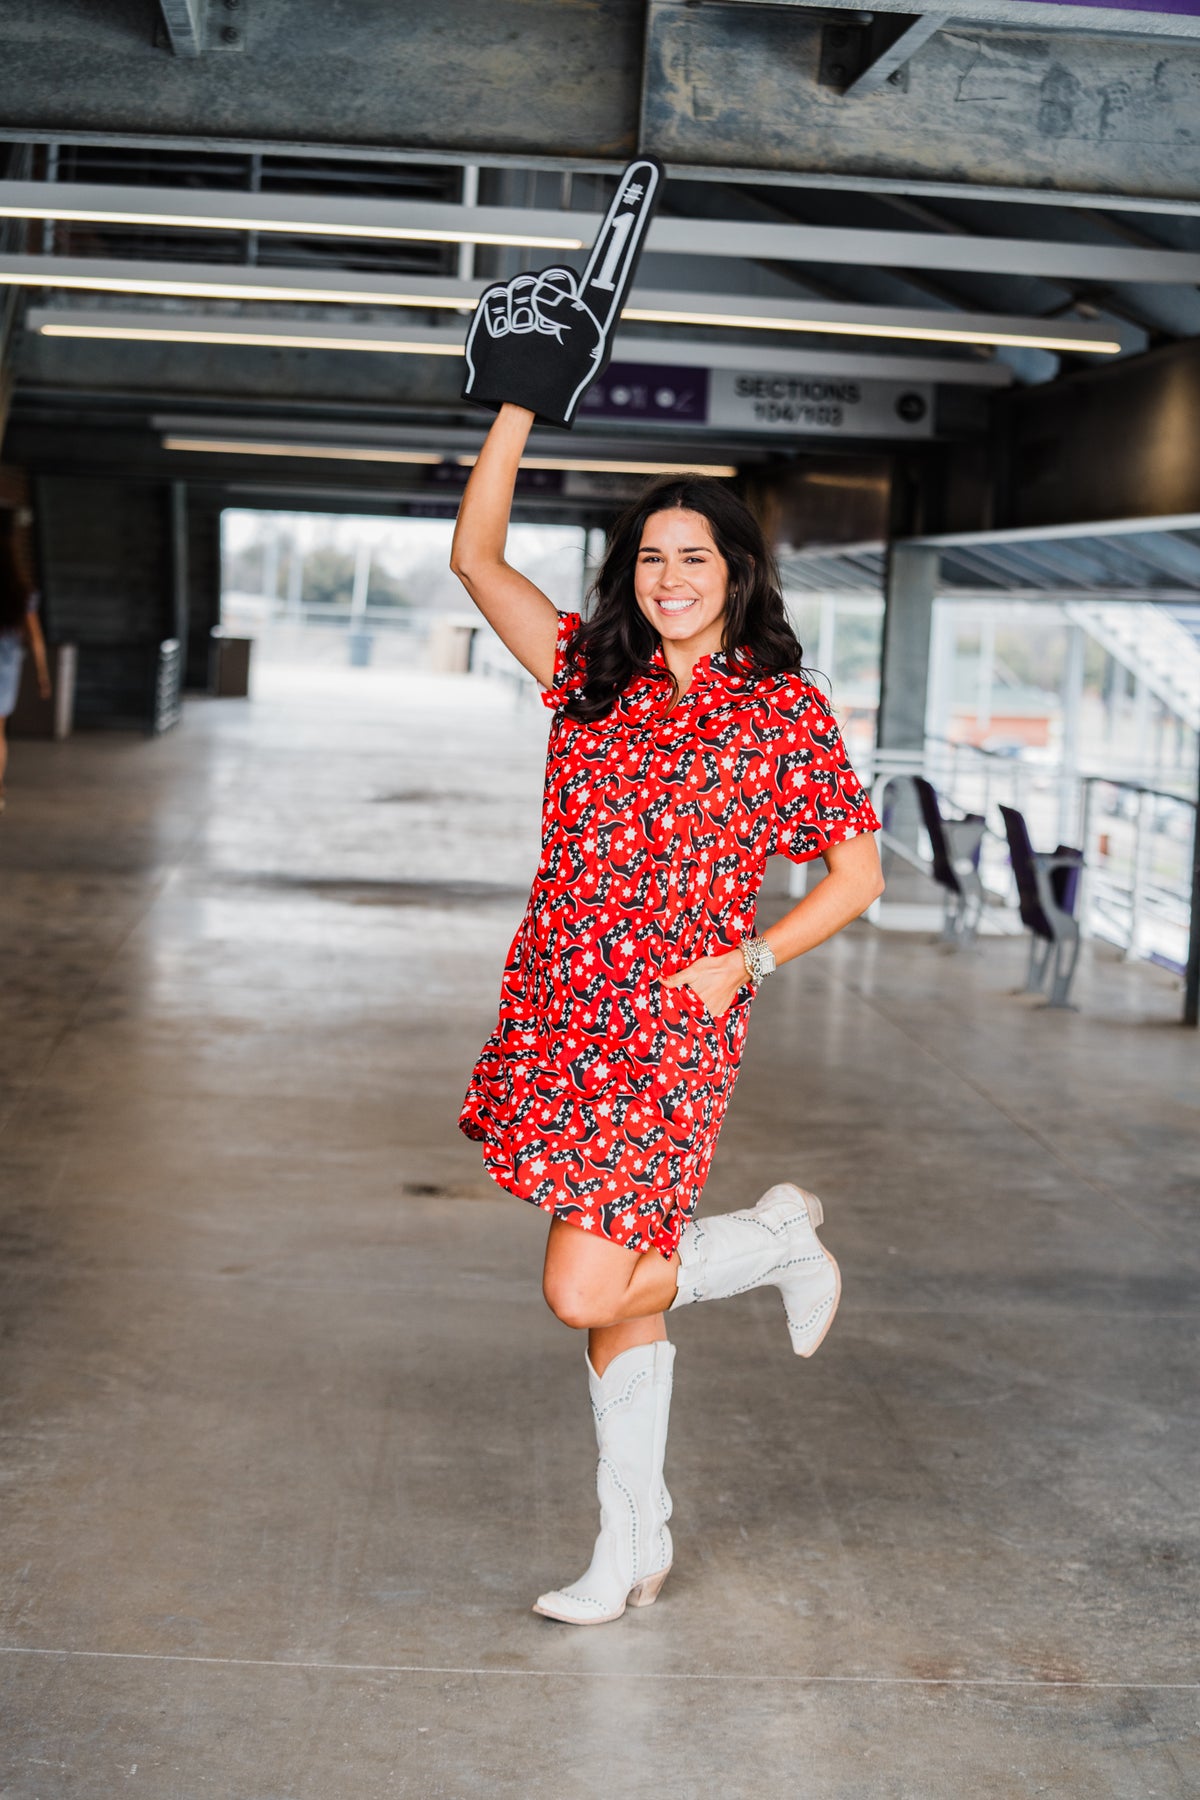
[[693, 1000]]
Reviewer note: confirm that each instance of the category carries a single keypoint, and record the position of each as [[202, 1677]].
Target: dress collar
[[710, 671]]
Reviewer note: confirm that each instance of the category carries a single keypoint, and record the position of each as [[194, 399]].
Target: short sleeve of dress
[[817, 796], [564, 684]]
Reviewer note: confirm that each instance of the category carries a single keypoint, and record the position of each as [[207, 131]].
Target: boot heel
[[787, 1190], [808, 1324], [646, 1592], [816, 1212]]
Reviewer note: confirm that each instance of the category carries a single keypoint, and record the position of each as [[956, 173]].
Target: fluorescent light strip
[[931, 334], [614, 468], [275, 340], [232, 290], [336, 452], [344, 453], [415, 234], [176, 288]]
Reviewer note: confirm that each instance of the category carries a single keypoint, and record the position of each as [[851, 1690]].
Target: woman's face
[[681, 580]]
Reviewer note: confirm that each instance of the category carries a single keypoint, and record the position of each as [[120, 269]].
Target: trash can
[[450, 643], [230, 666], [360, 644]]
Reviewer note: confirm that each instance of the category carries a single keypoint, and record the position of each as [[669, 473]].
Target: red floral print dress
[[600, 1094]]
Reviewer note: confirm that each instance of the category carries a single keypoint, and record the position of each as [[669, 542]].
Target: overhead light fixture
[[174, 281], [356, 453], [148, 325], [180, 288], [409, 234], [594, 466], [272, 340], [336, 452], [82, 203], [925, 334]]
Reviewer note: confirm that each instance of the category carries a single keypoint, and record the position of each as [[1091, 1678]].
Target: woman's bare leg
[[617, 1295], [607, 1341]]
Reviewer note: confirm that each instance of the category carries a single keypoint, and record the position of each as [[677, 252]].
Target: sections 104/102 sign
[[817, 405], [760, 401]]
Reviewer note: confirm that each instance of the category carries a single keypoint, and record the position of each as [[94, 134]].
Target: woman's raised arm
[[518, 611]]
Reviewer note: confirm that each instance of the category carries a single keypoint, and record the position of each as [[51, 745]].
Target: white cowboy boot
[[632, 1557], [774, 1241]]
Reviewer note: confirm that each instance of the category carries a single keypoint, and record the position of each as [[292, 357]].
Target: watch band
[[759, 959]]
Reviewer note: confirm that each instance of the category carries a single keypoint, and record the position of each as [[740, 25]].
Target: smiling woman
[[701, 577], [687, 747]]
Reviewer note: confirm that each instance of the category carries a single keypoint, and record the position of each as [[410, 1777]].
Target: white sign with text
[[819, 405]]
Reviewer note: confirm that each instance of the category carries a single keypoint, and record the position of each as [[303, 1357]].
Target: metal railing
[[1137, 844], [1137, 838]]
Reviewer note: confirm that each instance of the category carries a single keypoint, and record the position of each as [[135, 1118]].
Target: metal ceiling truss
[[348, 219], [1010, 95]]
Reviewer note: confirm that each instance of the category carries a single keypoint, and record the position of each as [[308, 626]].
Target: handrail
[[1139, 787], [1131, 893]]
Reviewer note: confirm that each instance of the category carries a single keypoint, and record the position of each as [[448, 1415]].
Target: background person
[[687, 746]]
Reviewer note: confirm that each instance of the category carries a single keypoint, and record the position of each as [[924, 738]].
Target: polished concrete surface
[[290, 1443]]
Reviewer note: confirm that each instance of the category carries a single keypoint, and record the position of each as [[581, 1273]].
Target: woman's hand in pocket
[[715, 978]]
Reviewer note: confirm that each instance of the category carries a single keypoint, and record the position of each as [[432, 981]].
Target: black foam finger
[[557, 328], [610, 269]]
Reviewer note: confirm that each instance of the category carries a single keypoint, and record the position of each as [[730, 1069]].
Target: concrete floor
[[290, 1443]]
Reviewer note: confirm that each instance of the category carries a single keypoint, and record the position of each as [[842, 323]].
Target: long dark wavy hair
[[616, 644]]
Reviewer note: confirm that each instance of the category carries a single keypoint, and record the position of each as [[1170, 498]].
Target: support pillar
[[1191, 1002], [911, 582], [1069, 804], [909, 589]]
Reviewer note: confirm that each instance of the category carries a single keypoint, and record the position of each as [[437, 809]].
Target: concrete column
[[1069, 808], [909, 587], [295, 580], [1191, 999], [943, 654], [910, 584], [987, 672], [270, 555], [179, 563], [362, 583]]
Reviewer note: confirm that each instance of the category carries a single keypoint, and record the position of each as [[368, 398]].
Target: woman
[[687, 746], [19, 627]]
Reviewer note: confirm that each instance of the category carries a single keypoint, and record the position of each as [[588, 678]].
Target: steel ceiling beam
[[731, 86], [183, 23], [762, 241], [889, 42], [800, 177], [1041, 15], [728, 89]]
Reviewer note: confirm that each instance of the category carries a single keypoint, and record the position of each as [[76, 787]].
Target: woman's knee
[[585, 1278], [574, 1302]]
